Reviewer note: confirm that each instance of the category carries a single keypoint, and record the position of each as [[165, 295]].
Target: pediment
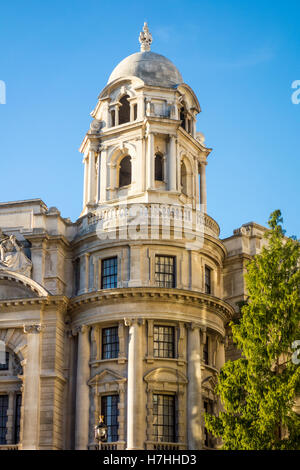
[[107, 376], [18, 286], [165, 375], [210, 383]]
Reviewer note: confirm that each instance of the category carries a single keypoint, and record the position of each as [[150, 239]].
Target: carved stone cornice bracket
[[35, 328]]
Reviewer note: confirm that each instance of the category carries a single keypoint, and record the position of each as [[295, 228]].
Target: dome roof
[[154, 69]]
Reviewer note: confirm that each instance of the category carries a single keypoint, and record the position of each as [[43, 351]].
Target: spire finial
[[145, 38]]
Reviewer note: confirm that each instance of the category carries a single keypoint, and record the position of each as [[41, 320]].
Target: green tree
[[258, 390]]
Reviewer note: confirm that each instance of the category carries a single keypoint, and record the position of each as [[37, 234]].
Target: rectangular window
[[163, 341], [110, 343], [135, 112], [109, 273], [17, 417], [165, 271], [6, 364], [110, 411], [205, 351], [164, 419], [3, 418], [207, 280]]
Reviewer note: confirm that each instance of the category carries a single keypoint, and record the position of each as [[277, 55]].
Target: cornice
[[153, 294], [49, 301]]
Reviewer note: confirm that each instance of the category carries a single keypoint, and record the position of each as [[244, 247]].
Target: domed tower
[[147, 302]]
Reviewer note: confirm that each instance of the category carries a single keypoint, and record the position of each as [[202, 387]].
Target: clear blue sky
[[239, 56]]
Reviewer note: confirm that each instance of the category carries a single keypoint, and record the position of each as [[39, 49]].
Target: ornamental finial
[[145, 39]]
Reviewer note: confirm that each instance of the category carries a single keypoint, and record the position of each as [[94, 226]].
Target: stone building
[[124, 312]]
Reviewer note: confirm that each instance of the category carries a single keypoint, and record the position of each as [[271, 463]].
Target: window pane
[[165, 271], [163, 341], [17, 417], [110, 343], [5, 366], [164, 423], [109, 277], [3, 418], [207, 280], [110, 411]]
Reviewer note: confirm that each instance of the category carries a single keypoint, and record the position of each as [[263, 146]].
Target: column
[[85, 184], [203, 204], [117, 115], [92, 171], [103, 176], [131, 111], [82, 390], [135, 387], [172, 164], [31, 389], [194, 389], [98, 178], [150, 161], [87, 271], [197, 184], [220, 358]]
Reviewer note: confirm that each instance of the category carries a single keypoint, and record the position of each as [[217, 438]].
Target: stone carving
[[96, 125], [16, 366], [30, 329], [145, 39], [12, 256]]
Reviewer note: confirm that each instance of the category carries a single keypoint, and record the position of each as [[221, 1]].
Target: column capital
[[193, 326], [132, 321], [94, 146], [80, 329], [35, 328]]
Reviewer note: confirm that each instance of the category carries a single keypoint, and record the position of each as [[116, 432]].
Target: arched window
[[125, 172], [159, 168], [184, 178], [124, 110]]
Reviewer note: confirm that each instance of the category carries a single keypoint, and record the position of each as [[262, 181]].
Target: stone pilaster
[[172, 167], [203, 203], [82, 390], [220, 357], [194, 388], [103, 175], [31, 388], [150, 161], [135, 388]]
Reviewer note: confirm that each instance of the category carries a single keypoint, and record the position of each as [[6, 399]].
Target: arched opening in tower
[[124, 110], [125, 172], [159, 170]]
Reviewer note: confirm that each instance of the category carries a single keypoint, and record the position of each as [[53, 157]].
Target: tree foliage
[[258, 390]]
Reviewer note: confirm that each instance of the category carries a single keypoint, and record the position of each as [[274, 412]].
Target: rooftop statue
[[145, 38], [12, 256]]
